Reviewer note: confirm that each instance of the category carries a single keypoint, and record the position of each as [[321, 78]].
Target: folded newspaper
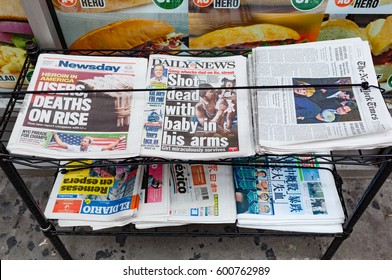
[[294, 196], [73, 116], [153, 203], [101, 193], [207, 123], [199, 194], [316, 117]]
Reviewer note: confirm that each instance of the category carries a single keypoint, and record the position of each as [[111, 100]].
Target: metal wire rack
[[380, 158]]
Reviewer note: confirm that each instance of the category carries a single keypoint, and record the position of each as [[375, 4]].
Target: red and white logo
[[343, 3], [203, 3], [67, 3]]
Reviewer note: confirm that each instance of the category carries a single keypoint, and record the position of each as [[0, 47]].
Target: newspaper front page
[[79, 122], [318, 118], [222, 207], [153, 206], [288, 194], [106, 193], [220, 210], [183, 121], [155, 197]]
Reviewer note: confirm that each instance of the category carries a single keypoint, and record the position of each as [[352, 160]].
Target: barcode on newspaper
[[204, 193]]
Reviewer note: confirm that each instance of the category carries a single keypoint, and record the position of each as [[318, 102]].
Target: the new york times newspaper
[[68, 118], [202, 115], [317, 118], [107, 193]]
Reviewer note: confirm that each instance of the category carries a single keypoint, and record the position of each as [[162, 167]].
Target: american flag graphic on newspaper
[[74, 139]]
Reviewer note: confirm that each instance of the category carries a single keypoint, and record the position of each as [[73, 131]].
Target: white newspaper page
[[95, 225], [154, 196], [188, 122], [294, 228], [190, 185], [221, 210], [310, 115], [105, 193], [76, 123], [148, 225]]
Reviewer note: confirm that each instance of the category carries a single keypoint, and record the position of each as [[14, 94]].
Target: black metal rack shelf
[[382, 160]]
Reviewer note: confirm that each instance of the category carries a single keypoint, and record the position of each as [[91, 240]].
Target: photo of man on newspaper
[[324, 105], [158, 75], [83, 143]]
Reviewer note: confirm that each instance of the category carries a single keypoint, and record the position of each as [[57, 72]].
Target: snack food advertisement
[[123, 24], [179, 24], [14, 32]]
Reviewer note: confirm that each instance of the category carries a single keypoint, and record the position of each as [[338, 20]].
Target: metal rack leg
[[370, 192], [46, 226]]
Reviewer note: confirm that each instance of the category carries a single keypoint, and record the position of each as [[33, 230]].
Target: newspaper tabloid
[[103, 193], [153, 204], [155, 197], [287, 195], [316, 118], [221, 209], [187, 122], [79, 122]]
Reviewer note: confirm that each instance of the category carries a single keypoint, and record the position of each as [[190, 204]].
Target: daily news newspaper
[[287, 194], [68, 119], [183, 121], [101, 193], [315, 118]]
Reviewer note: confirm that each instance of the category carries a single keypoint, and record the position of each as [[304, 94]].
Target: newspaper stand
[[381, 159]]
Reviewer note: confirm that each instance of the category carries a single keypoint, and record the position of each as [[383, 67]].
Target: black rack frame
[[382, 160]]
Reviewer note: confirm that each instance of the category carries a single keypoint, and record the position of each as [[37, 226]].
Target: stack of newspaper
[[199, 194], [153, 204], [171, 195], [203, 115], [287, 196], [184, 105], [96, 107], [82, 109], [103, 194], [321, 113]]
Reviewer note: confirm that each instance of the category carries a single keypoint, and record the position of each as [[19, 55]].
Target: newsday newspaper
[[81, 107]]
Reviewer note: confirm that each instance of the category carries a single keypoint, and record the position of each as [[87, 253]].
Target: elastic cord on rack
[[364, 85]]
